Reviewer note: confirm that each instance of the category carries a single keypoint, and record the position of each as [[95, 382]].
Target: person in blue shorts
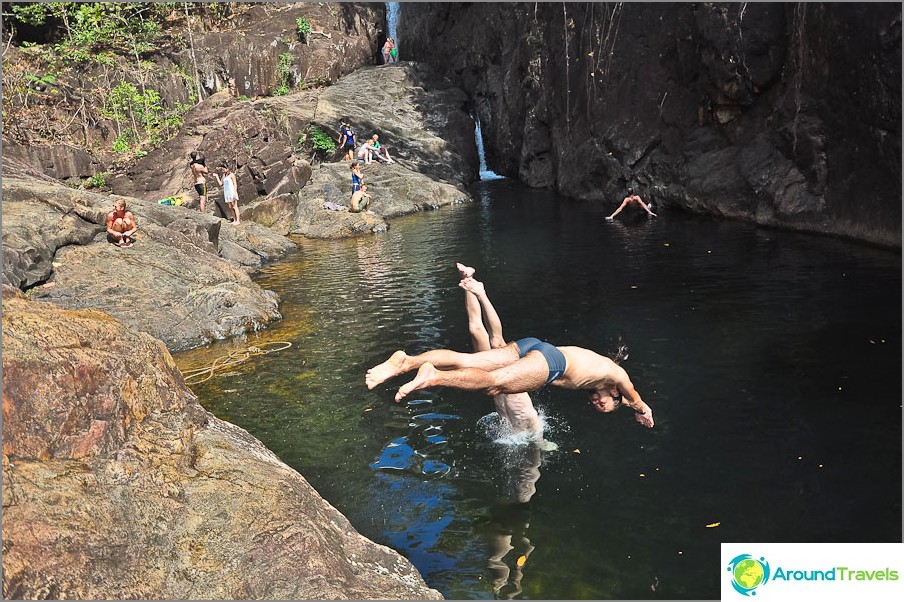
[[518, 367]]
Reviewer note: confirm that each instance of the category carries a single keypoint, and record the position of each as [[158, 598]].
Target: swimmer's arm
[[631, 398]]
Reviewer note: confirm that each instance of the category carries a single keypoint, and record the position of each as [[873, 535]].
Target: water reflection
[[748, 343]]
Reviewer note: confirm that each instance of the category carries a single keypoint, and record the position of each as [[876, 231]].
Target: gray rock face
[[422, 118], [172, 283], [118, 485], [774, 113], [418, 116]]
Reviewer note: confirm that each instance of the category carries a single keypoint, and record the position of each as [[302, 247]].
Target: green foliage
[[93, 26], [123, 142], [151, 121], [284, 73], [304, 27], [98, 180], [321, 141], [43, 83]]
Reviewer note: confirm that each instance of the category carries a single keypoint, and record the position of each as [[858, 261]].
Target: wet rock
[[591, 98], [118, 485]]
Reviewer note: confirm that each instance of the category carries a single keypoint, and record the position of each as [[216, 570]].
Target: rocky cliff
[[118, 485], [788, 115]]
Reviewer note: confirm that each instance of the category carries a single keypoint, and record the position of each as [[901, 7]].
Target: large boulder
[[180, 281], [394, 190], [419, 116], [118, 485]]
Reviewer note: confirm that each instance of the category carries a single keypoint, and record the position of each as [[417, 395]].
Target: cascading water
[[485, 174], [392, 21]]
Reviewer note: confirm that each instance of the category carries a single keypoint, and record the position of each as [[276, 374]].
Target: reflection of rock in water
[[410, 453]]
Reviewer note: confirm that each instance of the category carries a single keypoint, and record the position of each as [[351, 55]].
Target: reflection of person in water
[[510, 520]]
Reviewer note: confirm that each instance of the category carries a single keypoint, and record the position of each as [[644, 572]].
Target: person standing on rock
[[348, 141], [121, 225], [357, 177], [387, 49], [198, 171], [393, 51], [628, 200], [230, 190]]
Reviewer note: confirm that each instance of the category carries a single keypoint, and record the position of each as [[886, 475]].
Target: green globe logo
[[748, 573]]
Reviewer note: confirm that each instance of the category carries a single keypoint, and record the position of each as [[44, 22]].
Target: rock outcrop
[[174, 283], [118, 485], [787, 115], [420, 117], [70, 137]]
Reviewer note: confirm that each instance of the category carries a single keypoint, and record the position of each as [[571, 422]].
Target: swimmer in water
[[486, 333], [518, 367]]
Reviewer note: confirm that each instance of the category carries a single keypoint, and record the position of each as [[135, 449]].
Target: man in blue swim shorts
[[519, 367]]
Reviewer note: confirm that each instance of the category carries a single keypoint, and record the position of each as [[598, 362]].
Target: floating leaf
[[577, 451], [711, 525], [522, 560]]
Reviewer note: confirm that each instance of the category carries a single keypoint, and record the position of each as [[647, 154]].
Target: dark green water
[[772, 361]]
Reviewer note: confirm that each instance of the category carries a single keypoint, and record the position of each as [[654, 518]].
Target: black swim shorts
[[554, 358]]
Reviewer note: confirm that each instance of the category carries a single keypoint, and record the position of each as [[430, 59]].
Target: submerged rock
[[118, 485]]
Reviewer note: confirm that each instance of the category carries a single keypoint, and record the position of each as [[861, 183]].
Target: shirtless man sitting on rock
[[518, 367], [360, 201], [121, 224]]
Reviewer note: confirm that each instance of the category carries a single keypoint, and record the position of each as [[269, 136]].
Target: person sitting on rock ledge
[[360, 201], [366, 152], [380, 151], [121, 225]]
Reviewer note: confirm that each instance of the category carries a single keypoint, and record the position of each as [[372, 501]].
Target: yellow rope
[[194, 377]]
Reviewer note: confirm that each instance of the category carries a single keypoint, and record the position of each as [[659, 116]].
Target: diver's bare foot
[[464, 270], [394, 366], [472, 286], [425, 378]]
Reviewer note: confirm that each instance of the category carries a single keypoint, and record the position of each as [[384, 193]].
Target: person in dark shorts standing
[[348, 141], [198, 173]]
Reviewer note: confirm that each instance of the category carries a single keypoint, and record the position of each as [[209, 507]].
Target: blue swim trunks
[[554, 358]]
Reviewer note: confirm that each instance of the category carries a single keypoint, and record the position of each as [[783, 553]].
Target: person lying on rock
[[521, 366], [121, 225], [380, 151], [360, 201], [629, 200]]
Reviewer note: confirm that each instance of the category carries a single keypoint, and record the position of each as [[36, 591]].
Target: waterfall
[[392, 21], [485, 174]]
